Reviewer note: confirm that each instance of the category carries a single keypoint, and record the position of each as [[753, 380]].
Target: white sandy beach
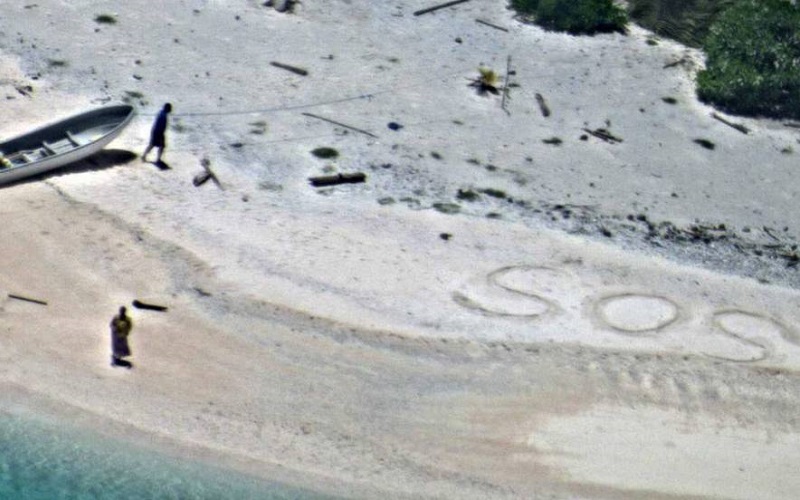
[[364, 340]]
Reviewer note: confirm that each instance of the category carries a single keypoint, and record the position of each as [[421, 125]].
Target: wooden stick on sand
[[440, 6]]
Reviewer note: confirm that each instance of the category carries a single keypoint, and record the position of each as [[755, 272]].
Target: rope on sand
[[294, 107]]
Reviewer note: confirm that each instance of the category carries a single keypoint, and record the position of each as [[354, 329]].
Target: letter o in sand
[[634, 313]]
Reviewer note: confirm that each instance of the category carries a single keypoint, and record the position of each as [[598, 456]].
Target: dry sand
[[363, 340]]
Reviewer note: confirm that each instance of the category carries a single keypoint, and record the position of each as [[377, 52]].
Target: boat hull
[[76, 138]]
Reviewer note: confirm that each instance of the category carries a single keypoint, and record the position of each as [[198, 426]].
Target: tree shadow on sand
[[102, 160]]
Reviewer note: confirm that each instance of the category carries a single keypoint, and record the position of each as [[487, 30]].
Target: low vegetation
[[687, 21], [325, 153], [487, 82], [105, 19], [577, 17], [753, 60]]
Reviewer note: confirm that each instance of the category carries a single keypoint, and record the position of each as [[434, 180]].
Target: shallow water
[[42, 460]]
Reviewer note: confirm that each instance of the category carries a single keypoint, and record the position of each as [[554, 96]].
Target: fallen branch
[[340, 124], [287, 67], [792, 124], [27, 299], [768, 232], [332, 180], [487, 23], [207, 174], [505, 86], [543, 105], [737, 126], [603, 134], [138, 304], [440, 6]]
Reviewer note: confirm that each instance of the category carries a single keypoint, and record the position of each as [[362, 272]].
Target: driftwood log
[[736, 126], [333, 180], [440, 6], [491, 25], [543, 107], [603, 135], [27, 299], [206, 175], [289, 67], [138, 304]]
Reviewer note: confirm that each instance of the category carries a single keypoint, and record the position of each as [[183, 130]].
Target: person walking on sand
[[121, 326], [158, 133]]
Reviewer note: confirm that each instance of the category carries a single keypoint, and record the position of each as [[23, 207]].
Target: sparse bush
[[325, 153], [753, 60], [487, 82], [105, 19], [577, 17]]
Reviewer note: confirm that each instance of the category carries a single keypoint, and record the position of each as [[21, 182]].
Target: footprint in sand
[[637, 313]]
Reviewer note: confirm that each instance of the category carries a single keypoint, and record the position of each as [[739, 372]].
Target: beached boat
[[62, 143]]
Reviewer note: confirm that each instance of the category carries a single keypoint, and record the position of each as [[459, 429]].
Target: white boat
[[62, 143]]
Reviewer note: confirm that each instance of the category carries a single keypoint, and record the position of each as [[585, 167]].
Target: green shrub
[[325, 153], [686, 21], [753, 60], [577, 17], [105, 19]]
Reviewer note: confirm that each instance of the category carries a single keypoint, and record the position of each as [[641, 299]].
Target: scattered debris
[[603, 135], [447, 208], [333, 180], [281, 5], [705, 143], [207, 174], [440, 6], [737, 126], [24, 90], [684, 61], [467, 195], [506, 96], [340, 124], [487, 23], [543, 107], [288, 67], [138, 304]]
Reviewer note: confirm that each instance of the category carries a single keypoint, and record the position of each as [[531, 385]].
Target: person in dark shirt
[[121, 326], [158, 133]]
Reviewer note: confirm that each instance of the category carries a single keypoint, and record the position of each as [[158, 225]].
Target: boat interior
[[47, 149]]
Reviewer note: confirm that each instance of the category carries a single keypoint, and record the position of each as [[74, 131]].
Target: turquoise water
[[41, 460]]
